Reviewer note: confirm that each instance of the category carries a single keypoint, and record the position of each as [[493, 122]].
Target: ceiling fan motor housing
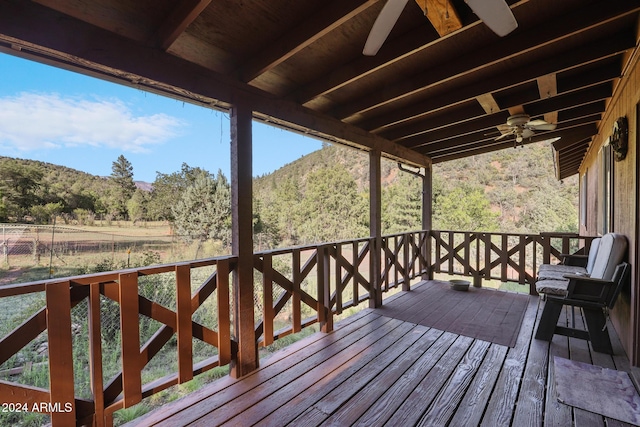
[[518, 120]]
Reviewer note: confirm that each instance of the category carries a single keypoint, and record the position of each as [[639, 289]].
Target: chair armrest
[[584, 288], [575, 259]]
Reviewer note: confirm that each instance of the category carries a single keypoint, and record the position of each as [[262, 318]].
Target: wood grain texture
[[374, 370]]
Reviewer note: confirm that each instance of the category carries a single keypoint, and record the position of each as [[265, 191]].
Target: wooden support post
[[427, 217], [375, 226], [61, 382], [246, 359]]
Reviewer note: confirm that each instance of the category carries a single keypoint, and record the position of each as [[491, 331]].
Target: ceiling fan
[[520, 126], [496, 14]]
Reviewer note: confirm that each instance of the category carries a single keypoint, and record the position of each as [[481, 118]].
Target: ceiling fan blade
[[527, 133], [496, 14], [540, 125], [504, 135], [383, 26]]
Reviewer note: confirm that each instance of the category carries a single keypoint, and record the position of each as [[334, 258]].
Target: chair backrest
[[611, 252], [593, 251], [620, 278]]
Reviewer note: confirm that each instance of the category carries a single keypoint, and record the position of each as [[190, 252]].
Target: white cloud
[[32, 121]]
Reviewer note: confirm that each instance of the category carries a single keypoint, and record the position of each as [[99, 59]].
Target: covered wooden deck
[[374, 369]]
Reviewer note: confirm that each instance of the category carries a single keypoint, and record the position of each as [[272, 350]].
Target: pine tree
[[204, 210], [123, 186]]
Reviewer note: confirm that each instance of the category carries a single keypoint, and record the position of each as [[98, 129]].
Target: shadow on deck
[[376, 370]]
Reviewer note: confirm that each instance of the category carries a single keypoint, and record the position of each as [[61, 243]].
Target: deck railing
[[169, 310], [507, 257]]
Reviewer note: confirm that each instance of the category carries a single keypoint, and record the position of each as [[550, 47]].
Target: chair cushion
[[593, 252], [552, 287], [611, 252], [559, 271]]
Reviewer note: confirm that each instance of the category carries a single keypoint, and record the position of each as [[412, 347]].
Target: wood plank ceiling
[[435, 91]]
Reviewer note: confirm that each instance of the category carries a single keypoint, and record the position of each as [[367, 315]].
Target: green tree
[[123, 186], [168, 188], [331, 207], [464, 208], [19, 185], [137, 205], [44, 214], [204, 210], [402, 205]]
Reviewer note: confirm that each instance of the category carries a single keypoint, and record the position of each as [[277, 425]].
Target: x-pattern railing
[[297, 287]]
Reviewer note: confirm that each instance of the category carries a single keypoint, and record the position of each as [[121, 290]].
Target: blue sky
[[66, 118]]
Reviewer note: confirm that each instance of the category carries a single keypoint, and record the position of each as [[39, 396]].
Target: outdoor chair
[[571, 264], [609, 252], [595, 297]]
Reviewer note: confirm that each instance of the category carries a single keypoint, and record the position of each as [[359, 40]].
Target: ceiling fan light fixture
[[519, 138], [496, 14]]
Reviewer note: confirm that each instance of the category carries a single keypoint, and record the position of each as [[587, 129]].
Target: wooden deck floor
[[374, 370]]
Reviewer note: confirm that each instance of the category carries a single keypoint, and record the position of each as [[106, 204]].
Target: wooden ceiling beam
[[442, 14], [507, 48], [179, 19], [487, 148], [144, 67], [480, 139], [547, 86], [567, 60], [488, 103], [326, 19], [582, 110], [445, 118], [392, 51], [419, 134]]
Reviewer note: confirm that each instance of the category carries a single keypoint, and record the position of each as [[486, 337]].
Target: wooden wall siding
[[623, 103], [500, 256]]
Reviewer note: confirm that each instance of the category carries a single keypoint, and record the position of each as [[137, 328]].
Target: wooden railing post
[[224, 312], [325, 315], [268, 313], [405, 262], [185, 336], [62, 394], [95, 352], [130, 332], [296, 302]]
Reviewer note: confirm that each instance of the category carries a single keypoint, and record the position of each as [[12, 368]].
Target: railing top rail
[[108, 276], [548, 233]]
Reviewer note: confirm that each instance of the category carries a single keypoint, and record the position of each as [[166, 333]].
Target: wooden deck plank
[[343, 386], [475, 400], [500, 409], [426, 391], [231, 387], [556, 413], [444, 406], [223, 407], [530, 405], [404, 337], [355, 407], [373, 370]]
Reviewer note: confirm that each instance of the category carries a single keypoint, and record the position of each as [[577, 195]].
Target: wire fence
[[47, 251]]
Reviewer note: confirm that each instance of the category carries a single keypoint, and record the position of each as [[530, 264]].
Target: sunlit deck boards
[[374, 370]]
